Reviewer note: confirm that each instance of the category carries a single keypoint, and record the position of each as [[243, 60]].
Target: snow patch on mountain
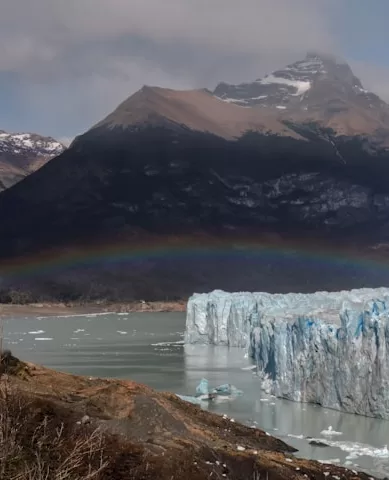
[[300, 86], [28, 142], [233, 100]]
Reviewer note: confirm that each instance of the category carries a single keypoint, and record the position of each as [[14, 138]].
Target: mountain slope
[[197, 110], [185, 164], [22, 154]]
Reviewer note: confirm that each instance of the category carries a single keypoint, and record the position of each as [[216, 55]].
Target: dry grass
[[36, 447]]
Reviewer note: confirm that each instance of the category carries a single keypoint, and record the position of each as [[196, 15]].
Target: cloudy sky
[[65, 64]]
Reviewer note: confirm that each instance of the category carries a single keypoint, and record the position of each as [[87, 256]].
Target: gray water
[[148, 348]]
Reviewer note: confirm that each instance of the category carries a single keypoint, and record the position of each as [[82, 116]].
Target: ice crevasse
[[328, 348]]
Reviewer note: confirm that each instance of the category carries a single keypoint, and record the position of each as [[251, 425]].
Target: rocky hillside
[[117, 429], [22, 154]]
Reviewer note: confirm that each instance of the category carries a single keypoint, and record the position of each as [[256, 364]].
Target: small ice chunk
[[227, 389], [292, 435], [203, 387], [330, 432]]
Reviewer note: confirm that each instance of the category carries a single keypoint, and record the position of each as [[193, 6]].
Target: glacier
[[327, 348]]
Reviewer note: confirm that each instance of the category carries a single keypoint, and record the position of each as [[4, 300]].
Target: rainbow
[[171, 249]]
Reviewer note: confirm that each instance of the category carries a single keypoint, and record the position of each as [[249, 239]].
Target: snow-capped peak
[[291, 86], [29, 142]]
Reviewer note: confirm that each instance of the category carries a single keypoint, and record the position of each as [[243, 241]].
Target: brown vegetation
[[35, 445]]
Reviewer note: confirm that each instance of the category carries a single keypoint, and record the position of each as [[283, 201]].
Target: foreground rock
[[151, 435], [325, 348]]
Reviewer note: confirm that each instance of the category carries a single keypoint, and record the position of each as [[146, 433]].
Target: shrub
[[34, 448]]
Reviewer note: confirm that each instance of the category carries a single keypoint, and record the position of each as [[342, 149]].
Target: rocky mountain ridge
[[194, 110], [22, 154]]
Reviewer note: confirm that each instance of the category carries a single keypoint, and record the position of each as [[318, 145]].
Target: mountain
[[22, 154], [194, 166], [319, 88]]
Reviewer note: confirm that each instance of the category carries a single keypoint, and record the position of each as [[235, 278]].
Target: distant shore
[[57, 309]]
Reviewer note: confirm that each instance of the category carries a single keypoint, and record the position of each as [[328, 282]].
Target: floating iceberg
[[328, 348], [228, 390], [223, 392], [203, 387]]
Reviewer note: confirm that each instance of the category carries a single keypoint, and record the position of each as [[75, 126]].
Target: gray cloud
[[375, 77], [243, 27], [78, 59]]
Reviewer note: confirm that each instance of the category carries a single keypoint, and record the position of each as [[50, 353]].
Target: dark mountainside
[[305, 157]]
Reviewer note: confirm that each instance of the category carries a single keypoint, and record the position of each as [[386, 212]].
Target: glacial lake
[[148, 348]]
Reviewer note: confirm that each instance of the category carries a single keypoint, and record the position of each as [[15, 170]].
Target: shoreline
[[57, 309]]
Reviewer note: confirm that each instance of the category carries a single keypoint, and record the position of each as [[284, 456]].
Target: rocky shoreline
[[57, 309], [149, 434]]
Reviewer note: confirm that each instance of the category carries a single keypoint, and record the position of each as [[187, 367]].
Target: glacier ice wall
[[328, 348]]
